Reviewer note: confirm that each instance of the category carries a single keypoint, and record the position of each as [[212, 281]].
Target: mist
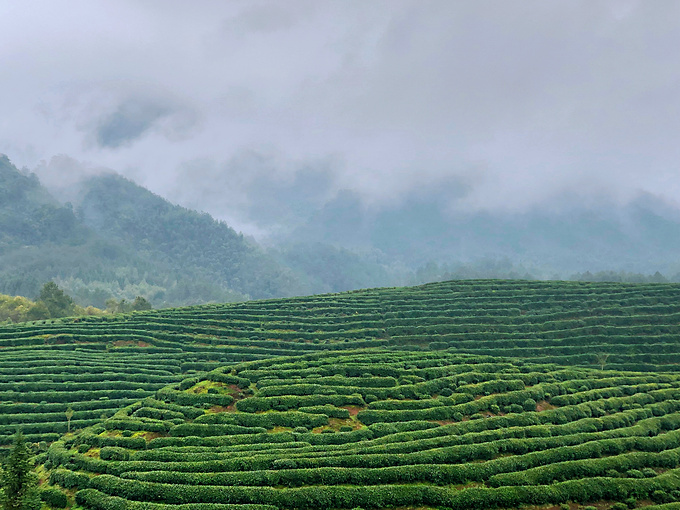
[[229, 106]]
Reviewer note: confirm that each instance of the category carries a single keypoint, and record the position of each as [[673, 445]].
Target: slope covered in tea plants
[[614, 325], [96, 364], [378, 428]]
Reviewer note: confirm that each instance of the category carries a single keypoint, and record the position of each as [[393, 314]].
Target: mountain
[[120, 240], [40, 239], [116, 239], [567, 237], [29, 215], [186, 242], [327, 268]]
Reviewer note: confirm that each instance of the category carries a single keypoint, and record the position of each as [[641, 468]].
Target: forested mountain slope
[[188, 242], [120, 240], [117, 239], [41, 239], [568, 235], [29, 215]]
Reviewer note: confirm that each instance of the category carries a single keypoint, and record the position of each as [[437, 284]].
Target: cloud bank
[[257, 111]]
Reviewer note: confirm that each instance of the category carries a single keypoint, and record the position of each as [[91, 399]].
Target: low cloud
[[258, 111], [261, 192], [132, 119]]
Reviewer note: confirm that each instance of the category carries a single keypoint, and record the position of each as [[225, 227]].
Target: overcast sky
[[224, 106]]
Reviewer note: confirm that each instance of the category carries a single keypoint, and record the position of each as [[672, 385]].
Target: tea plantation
[[472, 394]]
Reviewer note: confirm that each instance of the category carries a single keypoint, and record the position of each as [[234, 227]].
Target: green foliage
[[69, 479], [17, 479], [139, 304], [54, 497], [122, 241], [58, 303], [20, 309], [534, 457], [181, 241], [114, 453]]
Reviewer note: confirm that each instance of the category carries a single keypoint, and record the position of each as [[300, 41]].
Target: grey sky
[[515, 101]]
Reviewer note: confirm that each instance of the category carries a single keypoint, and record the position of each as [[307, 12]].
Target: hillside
[[566, 236], [43, 240], [456, 394], [29, 215], [387, 429], [187, 242], [593, 325], [119, 240]]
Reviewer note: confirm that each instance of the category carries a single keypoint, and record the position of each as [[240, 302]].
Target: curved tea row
[[381, 428]]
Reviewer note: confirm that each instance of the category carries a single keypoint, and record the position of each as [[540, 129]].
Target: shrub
[[187, 383], [529, 404], [54, 497], [660, 496], [69, 479], [648, 472], [114, 453]]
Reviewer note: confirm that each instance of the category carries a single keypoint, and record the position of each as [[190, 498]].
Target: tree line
[[53, 303]]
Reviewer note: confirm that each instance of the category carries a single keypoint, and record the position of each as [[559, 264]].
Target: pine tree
[[17, 478], [56, 300]]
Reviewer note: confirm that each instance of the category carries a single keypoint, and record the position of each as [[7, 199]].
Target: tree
[[124, 306], [56, 300], [69, 415], [18, 481], [37, 312], [602, 359], [141, 304]]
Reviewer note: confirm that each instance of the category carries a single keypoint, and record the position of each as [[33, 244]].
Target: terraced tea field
[[455, 394], [381, 429], [97, 366]]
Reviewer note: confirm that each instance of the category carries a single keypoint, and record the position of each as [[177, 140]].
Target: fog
[[262, 112]]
